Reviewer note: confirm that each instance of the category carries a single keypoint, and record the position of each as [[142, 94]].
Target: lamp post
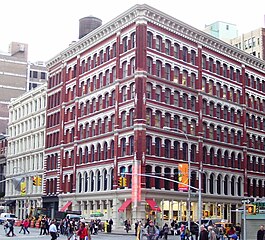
[[189, 170]]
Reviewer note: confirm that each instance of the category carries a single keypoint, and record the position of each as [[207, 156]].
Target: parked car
[[7, 216]]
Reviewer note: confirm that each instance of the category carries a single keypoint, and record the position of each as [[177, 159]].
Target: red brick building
[[138, 95]]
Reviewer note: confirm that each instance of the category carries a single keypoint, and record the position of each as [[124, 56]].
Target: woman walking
[[83, 232]]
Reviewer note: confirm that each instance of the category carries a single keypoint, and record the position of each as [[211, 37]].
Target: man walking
[[260, 233], [53, 230]]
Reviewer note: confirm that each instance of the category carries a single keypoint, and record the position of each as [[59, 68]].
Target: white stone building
[[26, 142]]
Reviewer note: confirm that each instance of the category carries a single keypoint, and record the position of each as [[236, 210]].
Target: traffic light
[[38, 181], [251, 209], [120, 182], [124, 182], [34, 180]]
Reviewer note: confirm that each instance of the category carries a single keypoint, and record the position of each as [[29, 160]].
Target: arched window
[[167, 96], [167, 71], [167, 148], [176, 74], [185, 54], [158, 147], [80, 156], [123, 119], [226, 159], [148, 145], [158, 117], [176, 150], [157, 180], [86, 154], [123, 147], [158, 68], [158, 93], [86, 182], [92, 153], [176, 50], [99, 152], [125, 44], [92, 182], [159, 43], [219, 157], [131, 145], [176, 98], [124, 69], [80, 182], [105, 151], [112, 149], [149, 65], [167, 47], [149, 39], [185, 101]]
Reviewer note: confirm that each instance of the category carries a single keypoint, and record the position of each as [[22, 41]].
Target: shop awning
[[153, 205], [125, 205], [64, 208]]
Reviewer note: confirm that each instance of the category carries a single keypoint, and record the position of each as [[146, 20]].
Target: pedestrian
[[203, 233], [165, 231], [212, 234], [26, 226], [260, 233], [22, 226], [150, 231], [11, 228], [136, 227], [69, 231], [182, 232], [53, 230], [140, 231], [83, 232], [110, 225], [42, 226]]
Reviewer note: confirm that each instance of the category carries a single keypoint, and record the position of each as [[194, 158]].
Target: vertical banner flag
[[183, 176], [23, 188]]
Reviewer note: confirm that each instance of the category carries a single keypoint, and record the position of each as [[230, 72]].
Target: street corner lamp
[[189, 168]]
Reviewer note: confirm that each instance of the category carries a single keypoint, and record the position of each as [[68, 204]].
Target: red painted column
[[140, 110]]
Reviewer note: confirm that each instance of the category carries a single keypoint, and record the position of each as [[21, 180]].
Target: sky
[[48, 27]]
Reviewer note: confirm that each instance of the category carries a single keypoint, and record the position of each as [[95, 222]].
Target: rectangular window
[[35, 74], [43, 75]]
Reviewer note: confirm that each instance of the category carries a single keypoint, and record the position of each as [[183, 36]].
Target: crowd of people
[[151, 231]]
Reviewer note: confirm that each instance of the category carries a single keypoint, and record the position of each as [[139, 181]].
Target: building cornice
[[147, 13]]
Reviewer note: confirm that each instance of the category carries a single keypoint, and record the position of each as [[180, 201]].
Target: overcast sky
[[49, 26]]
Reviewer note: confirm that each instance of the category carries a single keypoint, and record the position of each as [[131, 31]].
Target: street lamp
[[189, 170]]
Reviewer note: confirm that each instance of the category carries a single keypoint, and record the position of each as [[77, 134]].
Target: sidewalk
[[120, 231]]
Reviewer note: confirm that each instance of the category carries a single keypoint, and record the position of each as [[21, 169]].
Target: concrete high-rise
[[17, 75]]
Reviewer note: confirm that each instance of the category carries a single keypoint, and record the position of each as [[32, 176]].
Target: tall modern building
[[252, 42], [222, 30], [25, 156], [140, 97], [17, 75]]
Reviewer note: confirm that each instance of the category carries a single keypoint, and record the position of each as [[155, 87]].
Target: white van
[[7, 216]]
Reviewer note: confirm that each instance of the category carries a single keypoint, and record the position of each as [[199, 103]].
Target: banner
[[183, 176], [23, 188]]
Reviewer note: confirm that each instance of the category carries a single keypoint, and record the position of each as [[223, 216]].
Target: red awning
[[64, 208], [125, 205], [153, 205]]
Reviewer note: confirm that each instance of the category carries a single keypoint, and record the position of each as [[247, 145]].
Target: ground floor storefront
[[161, 206]]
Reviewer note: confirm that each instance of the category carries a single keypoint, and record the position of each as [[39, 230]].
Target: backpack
[[151, 229]]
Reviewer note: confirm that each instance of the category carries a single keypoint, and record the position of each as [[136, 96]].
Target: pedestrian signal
[[251, 209]]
